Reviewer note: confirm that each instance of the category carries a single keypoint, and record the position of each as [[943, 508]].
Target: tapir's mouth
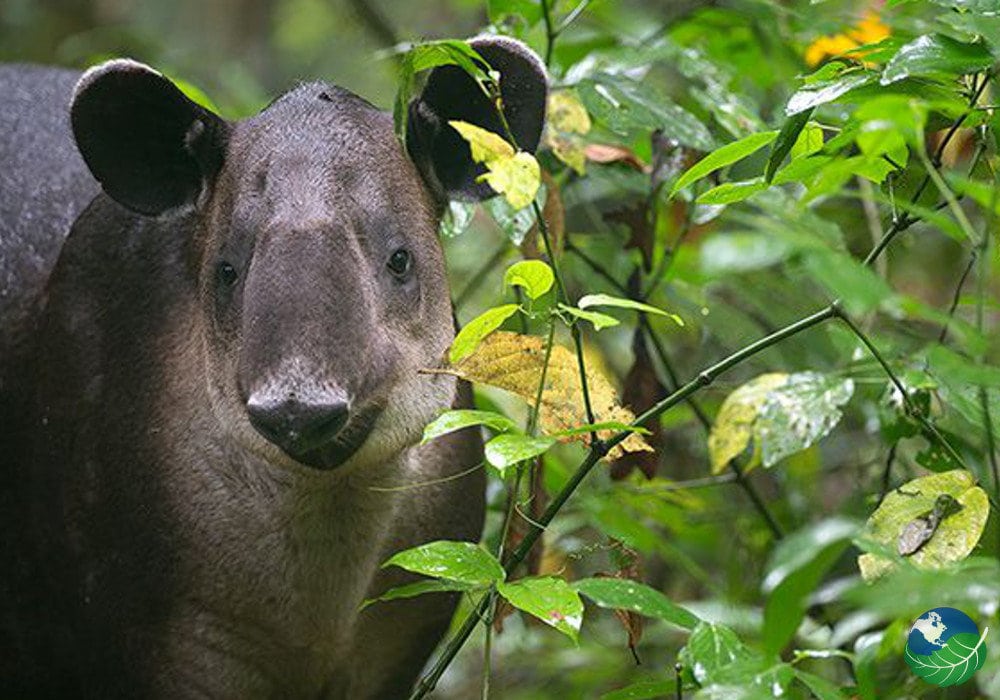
[[337, 450]]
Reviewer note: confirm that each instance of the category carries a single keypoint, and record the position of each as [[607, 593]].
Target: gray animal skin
[[209, 382]]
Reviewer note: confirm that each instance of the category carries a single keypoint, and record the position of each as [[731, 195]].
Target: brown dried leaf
[[608, 153], [630, 568], [513, 362], [642, 389], [635, 217]]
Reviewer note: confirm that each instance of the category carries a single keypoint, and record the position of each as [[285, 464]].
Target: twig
[[480, 275], [550, 32], [956, 297], [887, 472], [596, 267], [375, 22], [911, 410]]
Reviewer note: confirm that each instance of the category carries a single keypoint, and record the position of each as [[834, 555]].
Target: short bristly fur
[[215, 447]]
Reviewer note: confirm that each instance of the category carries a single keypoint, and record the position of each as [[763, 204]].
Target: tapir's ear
[[149, 146], [450, 94]]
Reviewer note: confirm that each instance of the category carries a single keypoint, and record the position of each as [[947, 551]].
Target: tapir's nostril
[[297, 424]]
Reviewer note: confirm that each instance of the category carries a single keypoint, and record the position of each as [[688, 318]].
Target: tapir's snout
[[308, 426]]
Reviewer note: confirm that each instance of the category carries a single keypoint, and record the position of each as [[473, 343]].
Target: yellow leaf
[[485, 145], [515, 175], [567, 114], [569, 149], [517, 178], [513, 362], [733, 427]]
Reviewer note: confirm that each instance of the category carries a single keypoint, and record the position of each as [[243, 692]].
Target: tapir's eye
[[400, 262], [226, 274]]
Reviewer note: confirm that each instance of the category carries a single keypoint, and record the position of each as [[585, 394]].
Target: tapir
[[210, 382]]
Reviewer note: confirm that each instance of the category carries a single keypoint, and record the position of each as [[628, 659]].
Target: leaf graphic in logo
[[962, 655]]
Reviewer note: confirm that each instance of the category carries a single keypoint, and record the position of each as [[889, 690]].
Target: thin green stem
[[550, 32], [706, 423], [911, 410], [480, 275], [563, 296]]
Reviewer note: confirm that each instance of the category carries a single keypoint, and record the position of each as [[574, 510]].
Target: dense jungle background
[[811, 188]]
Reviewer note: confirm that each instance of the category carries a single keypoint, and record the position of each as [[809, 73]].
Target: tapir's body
[[214, 394]]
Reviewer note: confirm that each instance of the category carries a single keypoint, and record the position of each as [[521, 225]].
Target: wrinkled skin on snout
[[217, 408]]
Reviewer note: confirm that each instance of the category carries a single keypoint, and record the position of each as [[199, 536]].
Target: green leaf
[[787, 137], [936, 54], [810, 141], [499, 10], [625, 594], [450, 421], [418, 588], [625, 106], [474, 331], [729, 192], [456, 218], [820, 93], [741, 251], [797, 566], [534, 276], [710, 649], [425, 56], [728, 154], [463, 562], [820, 687], [548, 598], [589, 300], [954, 536], [599, 320], [963, 654], [642, 690], [799, 413], [515, 223], [957, 370], [505, 451]]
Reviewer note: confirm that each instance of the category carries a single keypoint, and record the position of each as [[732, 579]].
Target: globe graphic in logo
[[945, 647]]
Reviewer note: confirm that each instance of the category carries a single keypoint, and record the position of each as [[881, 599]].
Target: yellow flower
[[869, 30]]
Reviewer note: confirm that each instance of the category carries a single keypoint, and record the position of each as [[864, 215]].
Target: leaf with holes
[[799, 413]]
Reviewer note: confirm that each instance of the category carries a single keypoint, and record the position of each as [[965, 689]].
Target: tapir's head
[[320, 277]]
